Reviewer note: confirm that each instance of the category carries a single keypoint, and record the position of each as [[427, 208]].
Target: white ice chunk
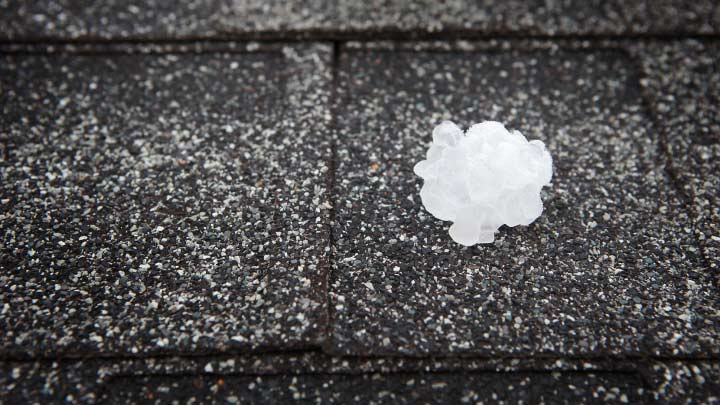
[[482, 179], [447, 134]]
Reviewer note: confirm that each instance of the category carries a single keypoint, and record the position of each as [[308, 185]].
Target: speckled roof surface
[[596, 274], [191, 215], [155, 19], [157, 204]]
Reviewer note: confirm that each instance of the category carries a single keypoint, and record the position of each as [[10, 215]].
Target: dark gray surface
[[163, 203], [612, 265], [241, 293], [428, 17], [683, 83], [552, 379], [462, 17], [113, 19], [684, 382], [152, 19], [439, 388]]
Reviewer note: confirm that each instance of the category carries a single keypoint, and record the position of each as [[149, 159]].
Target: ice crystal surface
[[483, 178]]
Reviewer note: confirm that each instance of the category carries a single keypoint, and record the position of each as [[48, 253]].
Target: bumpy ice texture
[[482, 179]]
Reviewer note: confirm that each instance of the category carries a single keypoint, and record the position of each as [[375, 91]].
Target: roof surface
[[216, 200]]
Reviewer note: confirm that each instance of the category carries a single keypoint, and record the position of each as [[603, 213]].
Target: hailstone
[[482, 179]]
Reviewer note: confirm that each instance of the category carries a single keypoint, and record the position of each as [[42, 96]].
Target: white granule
[[482, 179]]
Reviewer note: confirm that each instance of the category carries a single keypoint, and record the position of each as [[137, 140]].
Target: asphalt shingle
[[684, 381], [157, 20], [163, 203], [183, 218], [441, 388], [108, 20], [462, 17], [313, 374], [611, 267], [682, 81]]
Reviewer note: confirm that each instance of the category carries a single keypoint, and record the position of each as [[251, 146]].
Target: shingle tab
[[163, 203], [682, 80], [611, 267]]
